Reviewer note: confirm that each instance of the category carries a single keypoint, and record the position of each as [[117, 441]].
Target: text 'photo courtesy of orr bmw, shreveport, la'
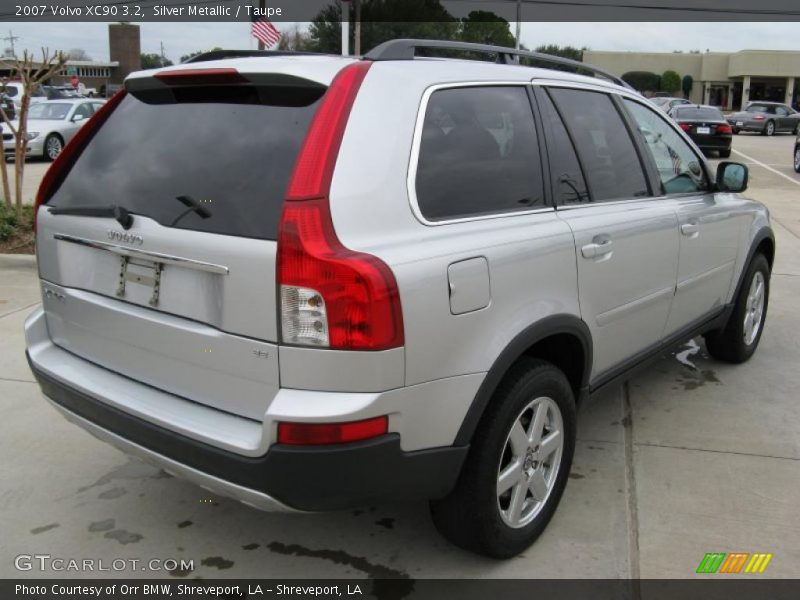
[[440, 261]]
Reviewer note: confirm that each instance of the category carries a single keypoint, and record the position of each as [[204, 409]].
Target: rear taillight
[[313, 434], [330, 296], [63, 163], [685, 126], [724, 129], [759, 118]]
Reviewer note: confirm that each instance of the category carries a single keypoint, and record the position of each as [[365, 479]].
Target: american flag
[[264, 31]]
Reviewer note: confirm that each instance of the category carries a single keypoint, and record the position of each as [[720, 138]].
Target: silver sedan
[[51, 125]]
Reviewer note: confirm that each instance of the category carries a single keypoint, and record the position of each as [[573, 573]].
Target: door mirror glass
[[732, 177]]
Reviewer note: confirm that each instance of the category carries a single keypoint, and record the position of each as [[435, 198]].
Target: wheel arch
[[763, 242], [564, 340]]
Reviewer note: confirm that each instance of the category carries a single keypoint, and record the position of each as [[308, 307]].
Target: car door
[[83, 110], [626, 242], [785, 121], [708, 223]]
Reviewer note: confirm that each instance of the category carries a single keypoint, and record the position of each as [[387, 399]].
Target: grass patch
[[16, 233]]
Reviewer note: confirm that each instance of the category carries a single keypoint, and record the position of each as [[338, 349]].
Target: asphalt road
[[692, 456]]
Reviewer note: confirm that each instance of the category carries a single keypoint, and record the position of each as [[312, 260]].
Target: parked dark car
[[109, 89], [8, 107], [766, 118], [667, 103], [797, 154], [707, 127], [60, 92]]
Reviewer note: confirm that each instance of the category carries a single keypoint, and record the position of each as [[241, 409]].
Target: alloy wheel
[[770, 128], [530, 462], [53, 147], [754, 308], [797, 159]]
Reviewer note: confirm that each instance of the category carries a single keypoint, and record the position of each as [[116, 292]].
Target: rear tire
[[737, 342], [525, 440], [769, 129], [735, 131], [797, 159], [725, 153], [53, 145]]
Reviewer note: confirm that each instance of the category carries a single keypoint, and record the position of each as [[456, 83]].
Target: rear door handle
[[690, 229], [597, 249]]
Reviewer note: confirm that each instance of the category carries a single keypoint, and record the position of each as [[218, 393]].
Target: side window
[[568, 183], [678, 166], [781, 112], [478, 154], [11, 91], [84, 109], [604, 146]]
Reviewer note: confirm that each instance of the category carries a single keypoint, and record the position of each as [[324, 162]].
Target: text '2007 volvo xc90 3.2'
[[315, 282]]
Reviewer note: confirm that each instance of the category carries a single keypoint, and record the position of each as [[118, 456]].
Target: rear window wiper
[[119, 213]]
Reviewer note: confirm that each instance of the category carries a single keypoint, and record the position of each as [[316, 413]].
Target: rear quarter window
[[479, 154]]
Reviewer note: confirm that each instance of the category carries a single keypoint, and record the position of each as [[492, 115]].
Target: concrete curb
[[17, 261]]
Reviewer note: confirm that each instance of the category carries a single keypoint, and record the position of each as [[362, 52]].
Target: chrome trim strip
[[145, 254], [617, 313], [211, 483], [694, 280], [415, 149]]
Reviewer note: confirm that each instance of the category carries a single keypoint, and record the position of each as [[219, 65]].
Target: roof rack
[[221, 54], [405, 49]]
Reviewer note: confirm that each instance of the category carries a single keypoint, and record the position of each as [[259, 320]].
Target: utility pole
[[262, 4], [11, 39], [163, 58], [357, 32], [519, 18], [345, 27]]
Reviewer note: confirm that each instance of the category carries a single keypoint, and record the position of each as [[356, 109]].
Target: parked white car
[[51, 125], [16, 89]]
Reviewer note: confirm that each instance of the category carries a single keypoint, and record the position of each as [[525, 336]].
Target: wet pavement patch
[[184, 524], [105, 525], [113, 493], [574, 475], [387, 522], [699, 379], [133, 469], [178, 572], [43, 528], [251, 546], [217, 561], [124, 537], [340, 557]]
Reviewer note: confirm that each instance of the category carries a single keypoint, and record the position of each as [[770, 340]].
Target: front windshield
[[55, 111]]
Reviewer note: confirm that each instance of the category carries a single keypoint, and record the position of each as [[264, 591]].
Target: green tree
[[643, 81], [687, 83], [382, 20], [670, 82], [484, 27], [154, 61], [186, 57], [563, 51]]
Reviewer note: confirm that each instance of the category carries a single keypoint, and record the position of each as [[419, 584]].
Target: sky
[[183, 38]]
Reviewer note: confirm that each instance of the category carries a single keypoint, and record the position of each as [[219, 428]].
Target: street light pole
[[519, 18], [345, 27]]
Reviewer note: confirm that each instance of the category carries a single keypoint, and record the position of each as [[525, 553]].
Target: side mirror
[[732, 177], [77, 118]]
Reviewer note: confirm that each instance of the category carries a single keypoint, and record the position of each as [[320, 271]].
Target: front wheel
[[53, 146], [517, 467], [797, 159], [769, 129], [739, 339]]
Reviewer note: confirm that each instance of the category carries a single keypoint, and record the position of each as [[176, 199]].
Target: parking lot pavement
[[34, 171], [691, 456]]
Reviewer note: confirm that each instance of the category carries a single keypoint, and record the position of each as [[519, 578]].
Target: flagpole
[[262, 4]]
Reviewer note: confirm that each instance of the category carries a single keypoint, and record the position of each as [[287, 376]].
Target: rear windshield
[[230, 149], [693, 112]]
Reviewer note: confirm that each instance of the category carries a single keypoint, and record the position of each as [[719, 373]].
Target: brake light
[[330, 296], [724, 129], [307, 434], [69, 154], [201, 77], [685, 126], [759, 118]]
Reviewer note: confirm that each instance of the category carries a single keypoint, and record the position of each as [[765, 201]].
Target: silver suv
[[315, 282]]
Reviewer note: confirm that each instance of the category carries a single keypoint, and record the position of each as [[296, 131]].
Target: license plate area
[[703, 131], [138, 279], [739, 123]]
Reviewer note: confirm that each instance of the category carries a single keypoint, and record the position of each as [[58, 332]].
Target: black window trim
[[652, 167], [411, 179], [644, 160]]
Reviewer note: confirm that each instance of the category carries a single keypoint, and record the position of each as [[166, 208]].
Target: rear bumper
[[277, 477]]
